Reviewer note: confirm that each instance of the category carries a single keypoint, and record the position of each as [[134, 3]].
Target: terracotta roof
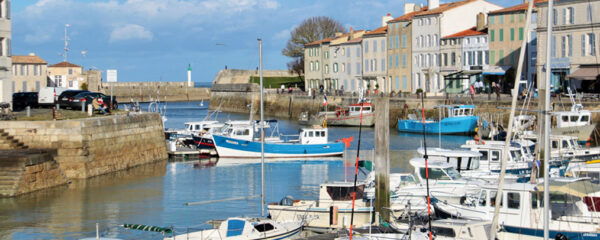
[[318, 42], [28, 59], [355, 40], [443, 7], [517, 8], [379, 30], [469, 32], [64, 64], [407, 16]]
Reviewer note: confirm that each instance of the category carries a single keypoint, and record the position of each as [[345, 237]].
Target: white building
[[6, 88]]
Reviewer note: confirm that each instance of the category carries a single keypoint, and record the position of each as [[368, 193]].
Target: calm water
[[155, 194]]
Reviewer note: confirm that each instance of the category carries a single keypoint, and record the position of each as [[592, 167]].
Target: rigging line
[[426, 167], [356, 168]]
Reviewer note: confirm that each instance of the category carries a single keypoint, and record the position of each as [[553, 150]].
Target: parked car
[[89, 98], [24, 99], [66, 100], [48, 96]]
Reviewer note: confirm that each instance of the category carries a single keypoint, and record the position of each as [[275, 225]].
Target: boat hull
[[535, 232], [454, 125], [235, 148], [323, 218], [368, 120], [582, 133]]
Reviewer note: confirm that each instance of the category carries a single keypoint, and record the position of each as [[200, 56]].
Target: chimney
[[480, 21], [385, 19], [409, 7], [31, 54], [433, 4]]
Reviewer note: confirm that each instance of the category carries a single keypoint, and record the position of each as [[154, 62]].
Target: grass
[[275, 82]]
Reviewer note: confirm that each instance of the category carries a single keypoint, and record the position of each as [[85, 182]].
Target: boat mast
[[511, 119], [547, 120], [262, 134]]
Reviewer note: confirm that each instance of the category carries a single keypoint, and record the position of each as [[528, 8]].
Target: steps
[[8, 142], [11, 171]]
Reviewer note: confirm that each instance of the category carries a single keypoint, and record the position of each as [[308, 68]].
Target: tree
[[310, 30]]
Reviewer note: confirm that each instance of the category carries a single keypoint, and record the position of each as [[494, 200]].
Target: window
[[390, 42], [374, 45], [366, 65], [403, 82], [397, 82], [487, 57], [383, 45], [501, 19], [312, 66], [317, 67], [491, 20], [493, 198], [520, 33], [397, 61], [492, 36], [521, 17], [421, 41], [348, 51], [366, 46], [343, 52], [501, 35], [588, 43], [495, 155], [480, 58], [512, 34], [326, 54], [501, 56], [358, 52], [429, 41], [453, 58], [513, 200], [22, 70], [435, 40], [343, 67], [24, 86], [390, 61], [383, 64], [70, 84], [435, 174], [2, 46], [348, 69], [567, 46], [326, 68], [403, 40], [492, 57], [35, 70], [335, 67], [554, 16], [553, 44], [374, 67], [483, 198], [358, 68], [512, 18], [589, 13], [37, 86], [570, 18], [397, 41], [404, 60]]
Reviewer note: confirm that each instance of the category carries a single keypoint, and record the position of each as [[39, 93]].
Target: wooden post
[[382, 156]]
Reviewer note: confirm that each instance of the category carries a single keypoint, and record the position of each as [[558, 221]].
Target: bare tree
[[310, 30]]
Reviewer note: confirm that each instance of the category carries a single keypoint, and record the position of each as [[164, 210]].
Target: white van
[[46, 95]]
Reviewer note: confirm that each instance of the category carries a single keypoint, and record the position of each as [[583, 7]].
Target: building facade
[[429, 25], [6, 89], [29, 73], [65, 74], [374, 59], [506, 33], [316, 64], [399, 54], [574, 42]]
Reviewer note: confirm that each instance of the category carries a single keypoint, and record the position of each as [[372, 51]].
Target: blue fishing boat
[[459, 119], [241, 143]]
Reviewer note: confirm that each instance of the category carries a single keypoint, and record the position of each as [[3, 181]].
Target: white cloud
[[130, 32], [283, 34]]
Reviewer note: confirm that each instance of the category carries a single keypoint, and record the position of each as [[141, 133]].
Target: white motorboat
[[519, 162], [573, 210], [577, 122], [332, 210], [246, 228], [564, 147]]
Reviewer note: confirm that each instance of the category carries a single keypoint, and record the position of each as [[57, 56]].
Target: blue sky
[[150, 40]]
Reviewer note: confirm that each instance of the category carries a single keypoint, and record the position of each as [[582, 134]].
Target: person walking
[[472, 92]]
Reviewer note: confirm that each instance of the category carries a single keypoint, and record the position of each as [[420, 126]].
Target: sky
[[155, 40]]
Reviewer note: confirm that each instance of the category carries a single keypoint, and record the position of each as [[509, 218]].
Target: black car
[[66, 99], [89, 98], [23, 99]]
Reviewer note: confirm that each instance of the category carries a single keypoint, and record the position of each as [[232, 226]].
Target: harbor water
[[156, 194]]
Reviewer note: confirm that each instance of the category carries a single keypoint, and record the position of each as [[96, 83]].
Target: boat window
[[310, 134], [407, 179], [452, 173], [434, 174], [574, 118], [584, 118], [493, 199], [516, 155], [235, 227], [565, 118], [197, 127], [263, 227], [565, 144], [323, 134], [367, 109], [482, 198], [484, 155], [189, 127], [344, 193], [444, 231], [574, 144], [555, 144], [535, 197], [495, 155], [242, 132], [513, 200]]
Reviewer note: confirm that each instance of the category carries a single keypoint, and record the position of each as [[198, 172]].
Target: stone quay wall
[[143, 91], [95, 146], [40, 176]]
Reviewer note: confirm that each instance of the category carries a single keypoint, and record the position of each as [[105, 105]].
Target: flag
[[324, 100]]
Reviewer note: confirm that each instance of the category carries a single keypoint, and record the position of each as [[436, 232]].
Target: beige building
[[399, 50], [5, 52], [29, 73], [374, 57], [316, 63], [574, 47], [65, 74]]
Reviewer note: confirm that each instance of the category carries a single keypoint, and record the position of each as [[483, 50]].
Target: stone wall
[[141, 91], [94, 146], [41, 176], [238, 76]]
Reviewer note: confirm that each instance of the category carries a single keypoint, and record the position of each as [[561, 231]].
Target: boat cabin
[[460, 159], [438, 171], [457, 110], [313, 135], [238, 131], [574, 118], [200, 126], [491, 154], [355, 109], [340, 191]]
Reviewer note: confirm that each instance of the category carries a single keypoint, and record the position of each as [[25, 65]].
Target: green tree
[[310, 30]]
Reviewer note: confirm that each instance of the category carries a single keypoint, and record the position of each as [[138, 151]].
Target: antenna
[[66, 42]]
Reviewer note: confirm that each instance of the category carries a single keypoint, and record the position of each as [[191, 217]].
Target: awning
[[585, 73], [495, 70]]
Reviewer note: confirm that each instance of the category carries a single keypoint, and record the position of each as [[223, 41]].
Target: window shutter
[[583, 45]]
